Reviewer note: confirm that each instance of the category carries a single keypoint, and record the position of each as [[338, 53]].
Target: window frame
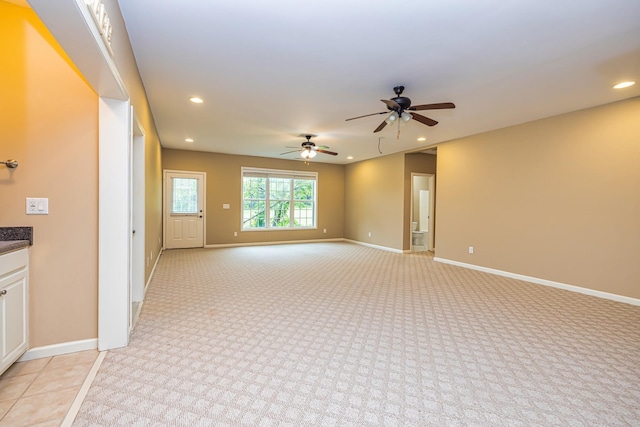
[[291, 175]]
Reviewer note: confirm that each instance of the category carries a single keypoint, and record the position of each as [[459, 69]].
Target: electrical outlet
[[37, 206], [369, 234], [235, 234], [470, 249], [324, 231]]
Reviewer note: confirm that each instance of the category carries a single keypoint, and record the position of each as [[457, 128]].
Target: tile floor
[[40, 392]]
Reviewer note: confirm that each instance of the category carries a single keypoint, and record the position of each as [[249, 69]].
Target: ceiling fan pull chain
[[398, 135]]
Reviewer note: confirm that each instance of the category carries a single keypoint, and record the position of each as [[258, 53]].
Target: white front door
[[184, 209]]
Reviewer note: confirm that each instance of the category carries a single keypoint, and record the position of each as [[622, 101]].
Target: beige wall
[[49, 122], [375, 201], [224, 186], [557, 199], [414, 163]]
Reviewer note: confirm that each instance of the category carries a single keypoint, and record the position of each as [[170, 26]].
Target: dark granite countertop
[[16, 233], [12, 245], [14, 238]]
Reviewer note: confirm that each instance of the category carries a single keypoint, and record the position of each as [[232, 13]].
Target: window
[[185, 196], [273, 199]]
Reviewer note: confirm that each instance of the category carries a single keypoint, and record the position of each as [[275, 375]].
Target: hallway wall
[[49, 122]]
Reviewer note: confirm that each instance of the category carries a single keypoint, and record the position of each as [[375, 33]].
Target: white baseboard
[[153, 270], [545, 282], [58, 349], [384, 248], [283, 242]]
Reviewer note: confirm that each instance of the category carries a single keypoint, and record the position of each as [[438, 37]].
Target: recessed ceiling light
[[623, 85], [188, 140], [422, 138], [349, 157], [196, 100]]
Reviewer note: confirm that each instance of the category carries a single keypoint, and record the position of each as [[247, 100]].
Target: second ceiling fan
[[308, 149], [402, 110]]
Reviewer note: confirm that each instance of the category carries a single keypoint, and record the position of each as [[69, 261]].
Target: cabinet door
[[13, 318]]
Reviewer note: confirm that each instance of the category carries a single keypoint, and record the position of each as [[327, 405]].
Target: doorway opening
[[137, 203], [422, 212]]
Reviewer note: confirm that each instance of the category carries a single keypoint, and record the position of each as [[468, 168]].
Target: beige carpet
[[337, 334]]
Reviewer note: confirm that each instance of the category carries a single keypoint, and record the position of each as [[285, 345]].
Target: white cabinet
[[14, 301]]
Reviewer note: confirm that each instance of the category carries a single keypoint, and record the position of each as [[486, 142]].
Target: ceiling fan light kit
[[308, 153], [392, 118]]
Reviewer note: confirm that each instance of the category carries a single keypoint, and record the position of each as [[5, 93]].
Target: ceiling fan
[[309, 149], [400, 108]]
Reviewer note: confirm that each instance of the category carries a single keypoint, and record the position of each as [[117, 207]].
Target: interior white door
[[137, 203], [184, 210]]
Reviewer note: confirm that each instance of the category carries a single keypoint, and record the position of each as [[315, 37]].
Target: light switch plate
[[37, 206]]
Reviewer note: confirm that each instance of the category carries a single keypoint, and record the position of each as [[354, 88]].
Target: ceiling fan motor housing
[[402, 101]]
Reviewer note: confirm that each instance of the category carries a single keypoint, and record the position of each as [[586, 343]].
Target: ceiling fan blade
[[425, 120], [379, 128], [287, 152], [440, 106], [391, 104], [327, 152], [366, 115]]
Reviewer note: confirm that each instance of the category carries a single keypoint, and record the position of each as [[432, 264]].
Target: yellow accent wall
[[557, 199], [49, 123]]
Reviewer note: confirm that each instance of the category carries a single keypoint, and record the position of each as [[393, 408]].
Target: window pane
[[303, 213], [185, 196], [254, 214], [254, 188], [279, 188], [279, 213], [303, 189]]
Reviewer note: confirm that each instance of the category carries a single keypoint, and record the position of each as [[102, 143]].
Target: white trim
[[153, 270], [114, 229], [77, 402], [283, 242], [74, 29], [58, 349], [545, 282], [384, 248]]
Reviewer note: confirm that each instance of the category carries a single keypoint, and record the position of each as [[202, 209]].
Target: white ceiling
[[270, 71]]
